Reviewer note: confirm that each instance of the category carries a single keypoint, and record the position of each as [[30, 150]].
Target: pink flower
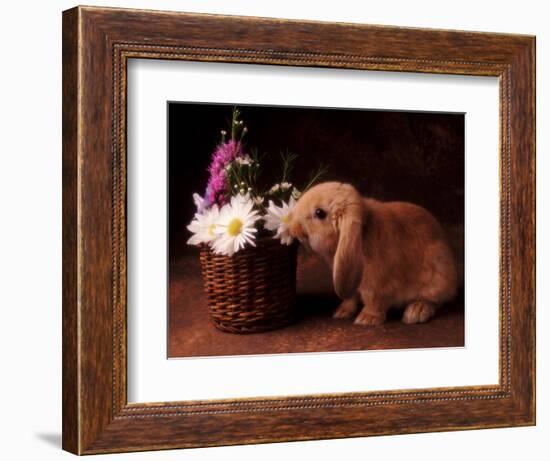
[[223, 155]]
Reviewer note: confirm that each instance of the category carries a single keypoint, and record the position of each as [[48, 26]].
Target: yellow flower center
[[210, 230], [285, 219], [234, 227]]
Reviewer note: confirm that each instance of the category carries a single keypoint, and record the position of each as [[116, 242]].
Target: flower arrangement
[[254, 290], [234, 210]]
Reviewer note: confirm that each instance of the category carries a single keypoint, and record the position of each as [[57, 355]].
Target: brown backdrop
[[411, 156]]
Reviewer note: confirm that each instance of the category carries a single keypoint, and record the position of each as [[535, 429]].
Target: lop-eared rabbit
[[382, 254]]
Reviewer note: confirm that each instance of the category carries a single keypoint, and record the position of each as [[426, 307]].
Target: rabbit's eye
[[320, 213]]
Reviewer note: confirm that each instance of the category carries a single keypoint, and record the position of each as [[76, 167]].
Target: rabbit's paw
[[418, 312], [346, 309], [370, 318]]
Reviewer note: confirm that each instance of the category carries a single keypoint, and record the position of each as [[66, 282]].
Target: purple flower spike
[[223, 155]]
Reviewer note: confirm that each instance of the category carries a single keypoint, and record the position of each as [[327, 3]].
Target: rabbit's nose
[[295, 229]]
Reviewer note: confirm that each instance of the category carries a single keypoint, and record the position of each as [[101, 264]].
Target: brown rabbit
[[383, 254]]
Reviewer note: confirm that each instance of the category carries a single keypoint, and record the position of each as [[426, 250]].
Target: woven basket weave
[[253, 290]]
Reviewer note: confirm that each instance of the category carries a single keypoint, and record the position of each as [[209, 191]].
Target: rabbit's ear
[[348, 260]]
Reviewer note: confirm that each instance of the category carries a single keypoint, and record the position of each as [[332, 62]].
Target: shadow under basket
[[252, 291]]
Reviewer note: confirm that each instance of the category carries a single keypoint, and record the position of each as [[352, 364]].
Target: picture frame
[[97, 44]]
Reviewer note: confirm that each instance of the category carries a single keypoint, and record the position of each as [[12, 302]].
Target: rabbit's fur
[[382, 254]]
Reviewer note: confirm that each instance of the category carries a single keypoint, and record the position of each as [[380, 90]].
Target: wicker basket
[[253, 290]]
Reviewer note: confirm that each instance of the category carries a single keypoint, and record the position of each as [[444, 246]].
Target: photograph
[[313, 229]]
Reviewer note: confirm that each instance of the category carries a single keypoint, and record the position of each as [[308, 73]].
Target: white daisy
[[285, 185], [243, 196], [235, 227], [296, 193], [204, 226], [276, 220]]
